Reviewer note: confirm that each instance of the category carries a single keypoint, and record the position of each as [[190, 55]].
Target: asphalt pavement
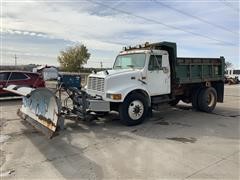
[[176, 143]]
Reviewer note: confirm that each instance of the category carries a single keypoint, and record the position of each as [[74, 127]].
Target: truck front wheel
[[133, 110], [207, 99]]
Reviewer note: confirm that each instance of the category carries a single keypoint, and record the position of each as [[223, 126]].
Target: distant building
[[48, 72]]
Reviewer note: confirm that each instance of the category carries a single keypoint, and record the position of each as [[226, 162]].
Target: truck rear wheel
[[133, 110], [207, 99]]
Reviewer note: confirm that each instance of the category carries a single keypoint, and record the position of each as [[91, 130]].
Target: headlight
[[114, 96]]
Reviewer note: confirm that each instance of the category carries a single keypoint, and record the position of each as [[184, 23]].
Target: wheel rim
[[135, 110], [210, 99]]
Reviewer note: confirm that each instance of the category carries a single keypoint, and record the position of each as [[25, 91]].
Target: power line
[[161, 23], [226, 3], [195, 17], [101, 62], [114, 5]]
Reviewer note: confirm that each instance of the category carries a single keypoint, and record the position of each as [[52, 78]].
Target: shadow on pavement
[[68, 159], [180, 124]]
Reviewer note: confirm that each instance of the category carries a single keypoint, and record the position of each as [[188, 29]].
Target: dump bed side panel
[[196, 70]]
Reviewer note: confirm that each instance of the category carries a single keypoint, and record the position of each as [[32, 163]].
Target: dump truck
[[143, 78]]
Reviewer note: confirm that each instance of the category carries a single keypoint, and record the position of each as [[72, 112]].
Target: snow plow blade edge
[[41, 108]]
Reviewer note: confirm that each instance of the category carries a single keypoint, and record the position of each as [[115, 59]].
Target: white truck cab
[[136, 76], [132, 70]]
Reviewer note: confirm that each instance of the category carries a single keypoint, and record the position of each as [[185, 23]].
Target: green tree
[[73, 58]]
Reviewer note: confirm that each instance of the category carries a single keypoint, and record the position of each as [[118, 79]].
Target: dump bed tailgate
[[195, 70]]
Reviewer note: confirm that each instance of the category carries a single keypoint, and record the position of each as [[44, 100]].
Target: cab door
[[158, 75]]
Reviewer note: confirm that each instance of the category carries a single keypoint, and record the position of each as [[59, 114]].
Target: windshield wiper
[[131, 66], [117, 66]]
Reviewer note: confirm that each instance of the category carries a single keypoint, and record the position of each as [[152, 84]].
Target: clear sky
[[37, 30]]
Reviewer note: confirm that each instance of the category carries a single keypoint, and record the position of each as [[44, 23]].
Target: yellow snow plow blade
[[41, 108]]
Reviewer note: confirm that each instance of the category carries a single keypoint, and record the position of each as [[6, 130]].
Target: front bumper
[[97, 105], [104, 95]]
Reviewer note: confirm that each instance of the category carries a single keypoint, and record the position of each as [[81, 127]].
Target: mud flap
[[41, 108]]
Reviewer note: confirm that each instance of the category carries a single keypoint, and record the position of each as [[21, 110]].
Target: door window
[[155, 62], [236, 71], [3, 76], [17, 76]]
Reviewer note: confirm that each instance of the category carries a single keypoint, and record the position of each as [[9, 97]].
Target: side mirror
[[153, 68], [165, 69]]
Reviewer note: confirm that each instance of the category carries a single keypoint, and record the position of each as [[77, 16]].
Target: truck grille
[[96, 83]]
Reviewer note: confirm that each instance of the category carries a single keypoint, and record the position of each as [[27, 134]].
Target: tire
[[195, 95], [207, 99], [133, 102]]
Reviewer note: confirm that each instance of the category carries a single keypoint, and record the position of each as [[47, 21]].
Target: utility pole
[[101, 64], [15, 57]]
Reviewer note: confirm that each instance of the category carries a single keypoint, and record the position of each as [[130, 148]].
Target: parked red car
[[21, 78]]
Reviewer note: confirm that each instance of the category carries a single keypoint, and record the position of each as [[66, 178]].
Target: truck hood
[[113, 72]]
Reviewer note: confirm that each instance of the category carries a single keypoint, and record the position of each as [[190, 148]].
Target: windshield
[[237, 71], [130, 61]]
